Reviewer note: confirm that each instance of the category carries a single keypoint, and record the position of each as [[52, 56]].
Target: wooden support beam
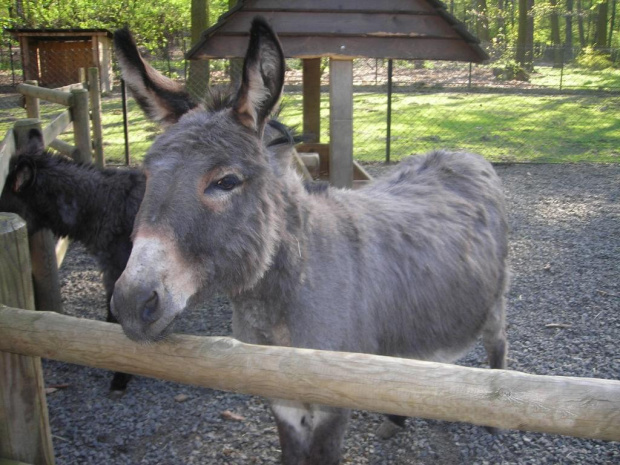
[[56, 127], [42, 244], [341, 122], [51, 95], [81, 125], [94, 92], [582, 407], [32, 103], [7, 150], [24, 425], [312, 99]]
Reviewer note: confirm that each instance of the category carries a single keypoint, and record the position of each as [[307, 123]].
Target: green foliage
[[507, 69], [594, 59]]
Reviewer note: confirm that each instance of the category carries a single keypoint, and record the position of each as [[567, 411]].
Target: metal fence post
[[388, 138], [125, 124]]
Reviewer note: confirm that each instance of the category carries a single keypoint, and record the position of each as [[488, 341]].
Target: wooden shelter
[[53, 57], [342, 30]]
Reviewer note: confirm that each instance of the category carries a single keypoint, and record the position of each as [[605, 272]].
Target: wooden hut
[[54, 56], [342, 30]]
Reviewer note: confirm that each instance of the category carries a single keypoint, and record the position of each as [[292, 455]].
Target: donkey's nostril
[[150, 312]]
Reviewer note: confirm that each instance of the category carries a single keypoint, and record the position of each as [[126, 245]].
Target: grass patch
[[576, 78], [511, 128], [502, 127]]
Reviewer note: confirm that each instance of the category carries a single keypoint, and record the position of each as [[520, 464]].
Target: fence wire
[[560, 111]]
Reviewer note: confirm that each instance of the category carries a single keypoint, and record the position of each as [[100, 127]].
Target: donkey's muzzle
[[140, 311]]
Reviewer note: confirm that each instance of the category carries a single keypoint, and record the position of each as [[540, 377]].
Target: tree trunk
[[582, 36], [600, 37], [482, 20], [555, 34], [236, 64], [568, 38], [501, 21], [525, 38], [198, 80], [612, 22]]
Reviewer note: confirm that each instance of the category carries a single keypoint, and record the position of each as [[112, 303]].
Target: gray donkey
[[412, 265]]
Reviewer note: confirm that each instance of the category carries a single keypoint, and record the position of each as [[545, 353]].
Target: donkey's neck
[[260, 313], [79, 200]]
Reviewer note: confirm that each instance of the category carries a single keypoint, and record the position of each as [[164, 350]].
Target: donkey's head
[[20, 193], [209, 216]]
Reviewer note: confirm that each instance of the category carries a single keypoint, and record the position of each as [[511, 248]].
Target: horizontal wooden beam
[[401, 48], [335, 6], [583, 407], [335, 23], [56, 127], [7, 150], [51, 95]]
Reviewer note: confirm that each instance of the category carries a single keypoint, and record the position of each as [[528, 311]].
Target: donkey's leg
[[309, 434], [494, 336], [392, 424], [495, 342], [119, 380]]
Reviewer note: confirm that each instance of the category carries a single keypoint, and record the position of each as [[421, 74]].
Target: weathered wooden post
[[312, 99], [81, 124], [341, 122], [42, 244], [32, 103], [24, 426], [94, 90]]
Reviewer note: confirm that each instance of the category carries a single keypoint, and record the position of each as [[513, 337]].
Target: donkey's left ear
[[163, 100], [262, 79]]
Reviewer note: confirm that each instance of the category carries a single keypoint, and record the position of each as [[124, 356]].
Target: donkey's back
[[415, 263]]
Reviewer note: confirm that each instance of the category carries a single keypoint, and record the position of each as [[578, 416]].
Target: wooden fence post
[[341, 122], [94, 89], [42, 244], [81, 124], [24, 425], [32, 103]]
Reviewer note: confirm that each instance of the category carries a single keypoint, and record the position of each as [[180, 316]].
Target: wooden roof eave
[[200, 50], [419, 48]]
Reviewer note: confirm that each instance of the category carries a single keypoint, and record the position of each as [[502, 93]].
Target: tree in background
[[198, 79]]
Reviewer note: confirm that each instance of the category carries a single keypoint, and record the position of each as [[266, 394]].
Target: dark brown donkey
[[411, 265]]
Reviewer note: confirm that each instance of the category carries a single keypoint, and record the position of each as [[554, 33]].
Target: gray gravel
[[565, 253]]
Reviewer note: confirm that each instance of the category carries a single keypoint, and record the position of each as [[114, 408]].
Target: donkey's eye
[[227, 183]]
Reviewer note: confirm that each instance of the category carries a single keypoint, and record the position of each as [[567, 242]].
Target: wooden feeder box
[[53, 57]]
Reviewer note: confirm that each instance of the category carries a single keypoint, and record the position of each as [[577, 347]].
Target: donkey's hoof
[[116, 395], [388, 429], [492, 430]]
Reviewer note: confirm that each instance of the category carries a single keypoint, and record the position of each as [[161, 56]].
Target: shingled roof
[[399, 29]]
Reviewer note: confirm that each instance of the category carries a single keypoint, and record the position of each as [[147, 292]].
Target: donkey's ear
[[262, 79], [34, 143], [24, 174], [162, 99]]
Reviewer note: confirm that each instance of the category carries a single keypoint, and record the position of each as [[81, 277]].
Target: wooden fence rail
[[582, 407]]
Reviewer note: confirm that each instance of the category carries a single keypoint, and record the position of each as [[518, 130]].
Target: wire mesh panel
[[557, 112]]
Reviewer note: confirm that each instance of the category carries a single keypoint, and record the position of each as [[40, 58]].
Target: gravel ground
[[565, 255]]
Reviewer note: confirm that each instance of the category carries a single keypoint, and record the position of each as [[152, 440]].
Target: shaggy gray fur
[[412, 265]]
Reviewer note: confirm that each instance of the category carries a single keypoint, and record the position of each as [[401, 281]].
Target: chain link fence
[[566, 109]]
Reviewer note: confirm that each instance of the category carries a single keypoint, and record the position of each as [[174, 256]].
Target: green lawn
[[502, 127], [499, 126], [573, 77]]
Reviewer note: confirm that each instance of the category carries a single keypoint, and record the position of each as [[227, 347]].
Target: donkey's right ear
[[35, 143], [262, 79], [24, 174], [162, 99]]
